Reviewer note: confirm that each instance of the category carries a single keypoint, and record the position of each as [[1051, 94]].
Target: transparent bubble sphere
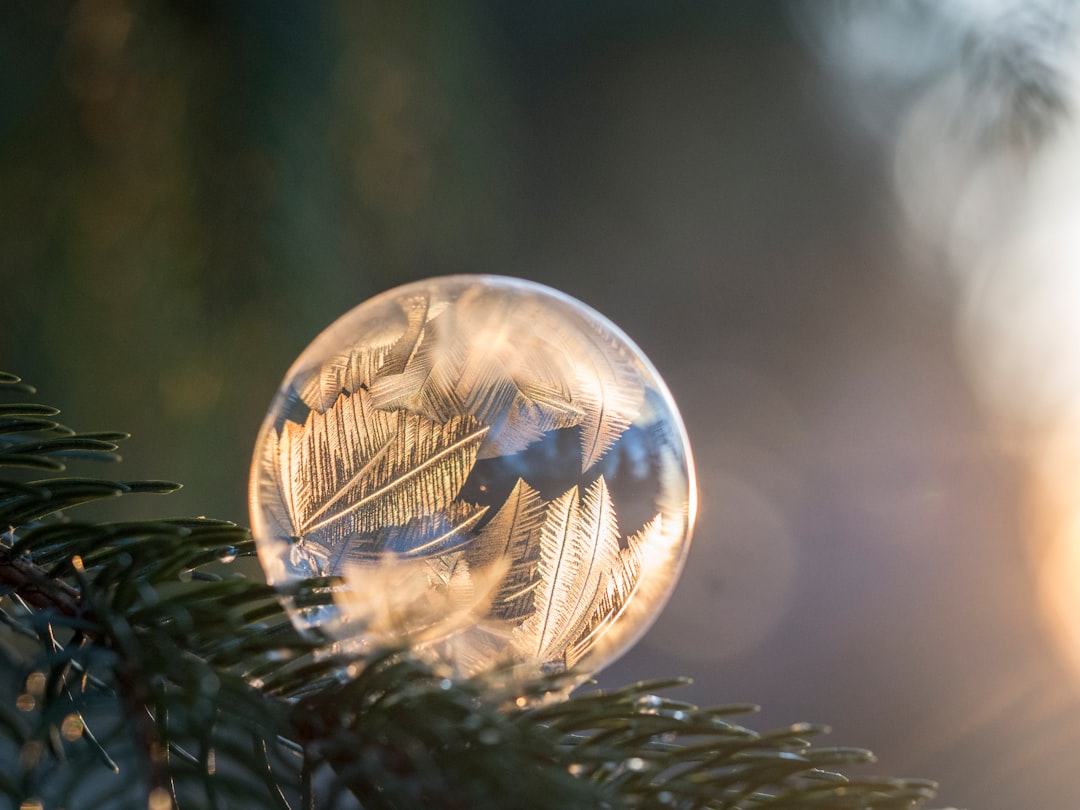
[[491, 472]]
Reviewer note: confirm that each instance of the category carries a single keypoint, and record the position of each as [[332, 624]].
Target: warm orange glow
[[1008, 227], [72, 728], [159, 799], [1055, 528]]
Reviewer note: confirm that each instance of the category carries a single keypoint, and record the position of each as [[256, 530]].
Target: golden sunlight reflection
[[1008, 227], [1055, 520]]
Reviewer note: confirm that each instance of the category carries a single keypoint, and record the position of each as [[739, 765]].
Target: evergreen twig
[[130, 647]]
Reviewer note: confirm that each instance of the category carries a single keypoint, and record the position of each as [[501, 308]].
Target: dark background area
[[191, 191]]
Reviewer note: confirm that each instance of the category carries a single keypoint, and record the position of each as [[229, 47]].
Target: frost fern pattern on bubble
[[476, 443]]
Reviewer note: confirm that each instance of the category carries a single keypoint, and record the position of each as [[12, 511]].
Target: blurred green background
[[191, 191]]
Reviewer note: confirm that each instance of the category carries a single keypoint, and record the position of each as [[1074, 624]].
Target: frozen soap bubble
[[496, 474]]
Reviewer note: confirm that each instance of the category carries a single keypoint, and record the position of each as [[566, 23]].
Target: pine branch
[[140, 670]]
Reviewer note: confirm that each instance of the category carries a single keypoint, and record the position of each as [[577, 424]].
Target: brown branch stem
[[34, 584]]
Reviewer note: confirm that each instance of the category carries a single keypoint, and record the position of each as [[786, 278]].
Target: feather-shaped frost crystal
[[489, 470]]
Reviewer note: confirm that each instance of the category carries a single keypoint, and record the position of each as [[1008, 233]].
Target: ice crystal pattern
[[492, 471]]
